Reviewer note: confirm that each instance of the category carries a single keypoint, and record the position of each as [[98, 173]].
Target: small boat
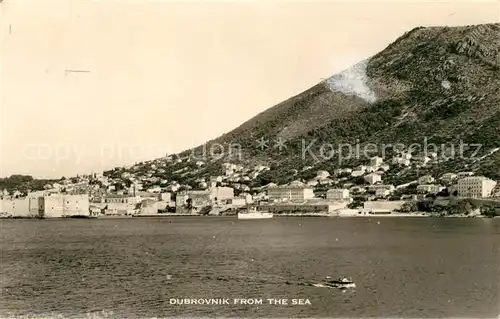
[[254, 214], [341, 283]]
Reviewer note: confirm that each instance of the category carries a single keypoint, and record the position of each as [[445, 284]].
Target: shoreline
[[327, 215]]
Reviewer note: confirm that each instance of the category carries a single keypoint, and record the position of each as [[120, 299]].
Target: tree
[[189, 203], [443, 193], [355, 204]]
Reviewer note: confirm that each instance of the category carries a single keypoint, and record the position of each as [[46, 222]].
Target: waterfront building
[[248, 198], [63, 205], [199, 198], [121, 199], [382, 206], [166, 197], [120, 204], [220, 193], [237, 201], [475, 186], [337, 194], [306, 207], [94, 210], [19, 207], [181, 199], [295, 191], [148, 207], [147, 195]]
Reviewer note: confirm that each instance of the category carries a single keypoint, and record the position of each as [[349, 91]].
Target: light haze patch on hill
[[353, 81]]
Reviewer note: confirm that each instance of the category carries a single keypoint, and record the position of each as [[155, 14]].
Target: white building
[[337, 194], [385, 167], [313, 182], [357, 173], [373, 178], [294, 191], [154, 189], [465, 174], [376, 161], [62, 205], [361, 168], [429, 188], [19, 207], [382, 192], [237, 201], [401, 161], [375, 188], [166, 197], [221, 193], [322, 174], [475, 186], [371, 168], [449, 177], [427, 179], [339, 171]]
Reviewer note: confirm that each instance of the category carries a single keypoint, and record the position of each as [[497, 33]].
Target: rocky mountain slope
[[436, 84], [432, 89]]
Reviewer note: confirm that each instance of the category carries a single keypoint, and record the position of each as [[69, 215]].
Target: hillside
[[439, 84], [436, 85]]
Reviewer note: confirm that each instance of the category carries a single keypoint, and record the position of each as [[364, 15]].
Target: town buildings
[[219, 193], [382, 192], [340, 171], [306, 207], [464, 174], [19, 207], [427, 179], [429, 188], [120, 204], [448, 177], [382, 206], [337, 194], [475, 186], [181, 199], [237, 202], [373, 178], [295, 191], [63, 205], [376, 161], [199, 198], [148, 207]]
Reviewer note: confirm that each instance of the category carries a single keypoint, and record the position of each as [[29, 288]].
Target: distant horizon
[[140, 98]]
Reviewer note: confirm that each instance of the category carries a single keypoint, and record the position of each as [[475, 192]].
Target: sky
[[89, 85]]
